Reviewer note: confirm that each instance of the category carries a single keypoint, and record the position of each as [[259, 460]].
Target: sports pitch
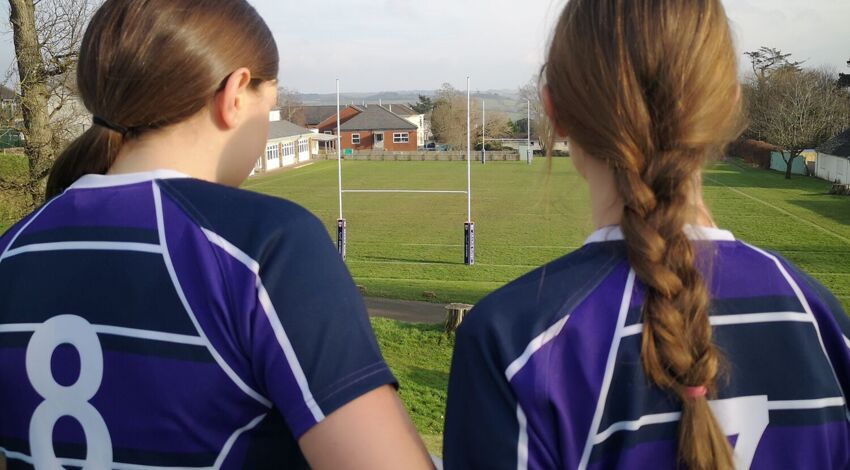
[[404, 245]]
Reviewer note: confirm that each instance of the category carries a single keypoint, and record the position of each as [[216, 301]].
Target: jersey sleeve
[[482, 426], [313, 349], [833, 323]]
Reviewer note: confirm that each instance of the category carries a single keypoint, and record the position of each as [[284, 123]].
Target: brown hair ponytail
[[650, 87], [147, 64]]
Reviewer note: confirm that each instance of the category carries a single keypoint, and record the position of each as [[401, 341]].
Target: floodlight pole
[[528, 151], [483, 132], [340, 222], [469, 226]]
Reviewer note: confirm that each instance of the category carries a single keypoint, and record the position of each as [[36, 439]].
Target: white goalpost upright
[[468, 226], [483, 132], [529, 153], [340, 222]]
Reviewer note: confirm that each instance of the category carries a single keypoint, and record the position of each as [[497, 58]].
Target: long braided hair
[[650, 87]]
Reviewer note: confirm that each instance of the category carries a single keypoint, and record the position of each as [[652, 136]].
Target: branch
[[6, 185], [43, 174]]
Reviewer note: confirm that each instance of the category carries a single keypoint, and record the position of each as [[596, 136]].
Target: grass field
[[14, 168], [400, 245]]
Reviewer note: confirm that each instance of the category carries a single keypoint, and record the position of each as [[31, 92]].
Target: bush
[[753, 152]]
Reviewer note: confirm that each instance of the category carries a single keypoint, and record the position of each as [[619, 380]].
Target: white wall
[[832, 168], [303, 149], [418, 120], [274, 115]]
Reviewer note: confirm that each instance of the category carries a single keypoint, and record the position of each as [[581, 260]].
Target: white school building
[[288, 144]]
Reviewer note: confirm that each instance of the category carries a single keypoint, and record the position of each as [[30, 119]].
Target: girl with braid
[[664, 342]]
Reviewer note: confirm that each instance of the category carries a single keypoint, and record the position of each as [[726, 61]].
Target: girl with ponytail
[[664, 342], [154, 316]]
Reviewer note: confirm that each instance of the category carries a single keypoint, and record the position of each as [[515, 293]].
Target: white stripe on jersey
[[802, 298], [82, 245], [609, 368], [116, 331], [522, 441], [157, 196], [274, 321], [661, 418], [738, 319], [27, 224], [551, 333]]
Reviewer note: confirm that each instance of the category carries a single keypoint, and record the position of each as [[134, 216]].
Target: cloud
[[404, 44]]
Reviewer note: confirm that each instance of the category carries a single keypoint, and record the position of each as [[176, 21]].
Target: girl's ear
[[549, 107], [230, 101]]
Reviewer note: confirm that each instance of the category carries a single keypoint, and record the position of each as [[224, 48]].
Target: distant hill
[[506, 101]]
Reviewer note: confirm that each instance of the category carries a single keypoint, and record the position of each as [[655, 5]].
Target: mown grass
[[401, 245], [419, 356]]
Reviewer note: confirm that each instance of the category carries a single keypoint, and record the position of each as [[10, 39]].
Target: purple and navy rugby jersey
[[547, 373], [152, 321]]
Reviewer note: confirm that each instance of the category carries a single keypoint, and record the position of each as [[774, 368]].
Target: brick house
[[417, 119], [372, 127]]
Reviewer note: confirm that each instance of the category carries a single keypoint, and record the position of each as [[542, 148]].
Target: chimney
[[380, 102], [391, 108]]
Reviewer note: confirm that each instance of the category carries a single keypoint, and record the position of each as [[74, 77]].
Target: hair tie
[[99, 121], [696, 392]]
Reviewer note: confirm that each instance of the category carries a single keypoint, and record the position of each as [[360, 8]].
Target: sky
[[395, 45]]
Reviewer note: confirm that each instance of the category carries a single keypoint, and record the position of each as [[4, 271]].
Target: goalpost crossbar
[[401, 191]]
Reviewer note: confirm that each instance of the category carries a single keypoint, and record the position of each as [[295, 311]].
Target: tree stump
[[454, 316], [838, 188]]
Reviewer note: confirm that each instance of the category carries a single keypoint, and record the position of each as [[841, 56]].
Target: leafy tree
[[423, 106], [844, 78], [767, 60]]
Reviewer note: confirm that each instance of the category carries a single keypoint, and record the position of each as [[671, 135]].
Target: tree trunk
[[789, 163], [34, 98]]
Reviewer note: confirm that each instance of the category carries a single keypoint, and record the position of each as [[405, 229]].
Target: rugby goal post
[[468, 225]]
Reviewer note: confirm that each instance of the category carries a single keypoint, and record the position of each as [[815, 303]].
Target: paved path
[[406, 310]]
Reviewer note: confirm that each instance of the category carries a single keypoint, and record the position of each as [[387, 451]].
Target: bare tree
[[497, 125], [797, 110], [47, 36], [540, 125], [290, 105], [448, 118]]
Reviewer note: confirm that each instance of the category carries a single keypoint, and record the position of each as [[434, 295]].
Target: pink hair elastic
[[696, 392]]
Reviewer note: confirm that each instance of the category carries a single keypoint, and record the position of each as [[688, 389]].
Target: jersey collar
[[694, 232], [123, 179]]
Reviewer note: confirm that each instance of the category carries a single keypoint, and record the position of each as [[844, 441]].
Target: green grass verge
[[13, 168], [419, 356]]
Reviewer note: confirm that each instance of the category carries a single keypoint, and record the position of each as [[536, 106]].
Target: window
[[329, 132], [401, 137], [289, 149], [272, 152], [355, 139], [302, 146], [379, 137]]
